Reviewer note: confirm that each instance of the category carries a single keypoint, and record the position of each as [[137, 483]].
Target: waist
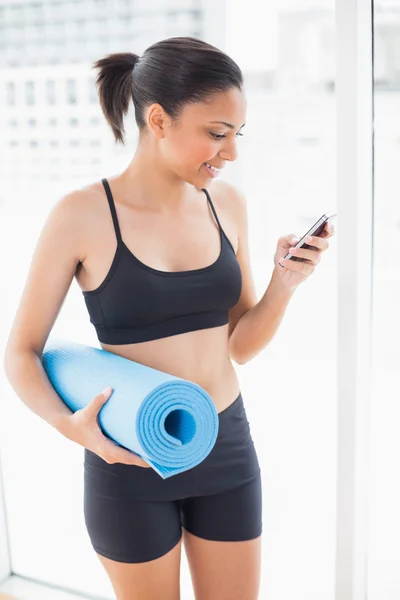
[[199, 356]]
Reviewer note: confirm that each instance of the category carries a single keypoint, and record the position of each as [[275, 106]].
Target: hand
[[83, 428], [293, 272]]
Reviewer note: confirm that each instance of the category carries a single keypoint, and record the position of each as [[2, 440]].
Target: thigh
[[222, 537], [224, 570], [152, 580], [234, 515], [131, 531]]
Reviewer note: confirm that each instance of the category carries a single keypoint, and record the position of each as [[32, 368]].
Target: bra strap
[[216, 216], [212, 207], [112, 208]]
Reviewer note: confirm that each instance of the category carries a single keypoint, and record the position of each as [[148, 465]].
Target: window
[[29, 93], [71, 91], [384, 448], [288, 165], [50, 92], [10, 93]]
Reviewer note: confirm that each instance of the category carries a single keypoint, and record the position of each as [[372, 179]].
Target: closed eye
[[220, 136]]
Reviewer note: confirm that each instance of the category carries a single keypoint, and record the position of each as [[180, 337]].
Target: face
[[207, 132]]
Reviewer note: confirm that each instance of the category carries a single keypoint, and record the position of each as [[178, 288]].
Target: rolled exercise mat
[[170, 422]]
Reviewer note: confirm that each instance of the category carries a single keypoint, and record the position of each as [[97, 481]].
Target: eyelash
[[220, 136]]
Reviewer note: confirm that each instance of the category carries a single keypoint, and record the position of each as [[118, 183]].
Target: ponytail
[[114, 83]]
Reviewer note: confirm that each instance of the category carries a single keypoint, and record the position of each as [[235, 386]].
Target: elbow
[[239, 360], [9, 361], [6, 362], [233, 354]]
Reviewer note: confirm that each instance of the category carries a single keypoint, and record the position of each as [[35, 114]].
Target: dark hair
[[171, 72]]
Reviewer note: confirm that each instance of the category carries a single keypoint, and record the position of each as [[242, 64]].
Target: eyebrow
[[227, 124]]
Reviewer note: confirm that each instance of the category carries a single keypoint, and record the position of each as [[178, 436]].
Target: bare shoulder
[[228, 196], [74, 204], [84, 198], [231, 204], [79, 209]]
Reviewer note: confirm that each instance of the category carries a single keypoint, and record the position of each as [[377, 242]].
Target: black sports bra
[[136, 303]]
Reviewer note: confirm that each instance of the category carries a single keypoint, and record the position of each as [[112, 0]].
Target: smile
[[211, 170]]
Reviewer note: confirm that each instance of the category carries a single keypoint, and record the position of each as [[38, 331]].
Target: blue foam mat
[[170, 422]]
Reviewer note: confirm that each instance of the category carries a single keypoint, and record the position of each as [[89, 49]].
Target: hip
[[232, 462]]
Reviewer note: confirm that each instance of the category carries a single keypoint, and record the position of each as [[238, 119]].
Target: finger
[[313, 255], [329, 230], [287, 240], [325, 234], [304, 268], [292, 240], [114, 452], [317, 242], [98, 402]]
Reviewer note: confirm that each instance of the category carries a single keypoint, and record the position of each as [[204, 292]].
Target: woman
[[163, 265]]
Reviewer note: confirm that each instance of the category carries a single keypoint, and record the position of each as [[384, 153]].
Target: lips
[[212, 171], [213, 166]]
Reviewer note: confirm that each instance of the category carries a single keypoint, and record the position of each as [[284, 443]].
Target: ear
[[157, 120]]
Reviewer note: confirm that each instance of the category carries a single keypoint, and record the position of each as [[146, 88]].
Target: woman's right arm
[[58, 252], [53, 265]]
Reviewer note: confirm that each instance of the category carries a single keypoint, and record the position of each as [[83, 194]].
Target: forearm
[[24, 371], [256, 328]]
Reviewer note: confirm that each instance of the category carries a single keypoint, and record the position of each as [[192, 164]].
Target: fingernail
[[107, 391], [295, 240]]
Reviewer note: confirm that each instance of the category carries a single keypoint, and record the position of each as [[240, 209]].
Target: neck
[[154, 185]]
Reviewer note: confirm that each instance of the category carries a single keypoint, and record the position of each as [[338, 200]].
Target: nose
[[229, 150]]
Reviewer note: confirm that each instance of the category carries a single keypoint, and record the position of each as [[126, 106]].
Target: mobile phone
[[316, 230]]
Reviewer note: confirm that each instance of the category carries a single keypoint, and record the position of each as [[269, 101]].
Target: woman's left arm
[[256, 328], [257, 325]]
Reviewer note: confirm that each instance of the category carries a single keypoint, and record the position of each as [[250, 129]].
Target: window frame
[[354, 147]]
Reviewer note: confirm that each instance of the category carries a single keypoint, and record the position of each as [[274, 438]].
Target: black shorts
[[133, 515]]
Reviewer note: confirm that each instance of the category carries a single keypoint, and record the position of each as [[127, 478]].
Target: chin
[[206, 180], [198, 182]]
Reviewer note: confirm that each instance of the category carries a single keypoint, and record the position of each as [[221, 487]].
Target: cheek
[[193, 150], [201, 152]]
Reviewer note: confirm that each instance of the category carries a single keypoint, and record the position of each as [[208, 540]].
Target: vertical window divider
[[5, 560], [354, 102]]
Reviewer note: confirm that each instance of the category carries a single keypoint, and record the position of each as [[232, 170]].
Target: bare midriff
[[197, 356]]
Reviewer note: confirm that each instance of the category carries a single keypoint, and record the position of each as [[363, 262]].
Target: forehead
[[227, 106]]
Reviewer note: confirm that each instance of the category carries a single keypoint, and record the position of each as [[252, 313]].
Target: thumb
[[288, 240], [292, 238], [98, 401]]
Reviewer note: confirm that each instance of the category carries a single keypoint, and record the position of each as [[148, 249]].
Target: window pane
[[287, 168], [384, 483]]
